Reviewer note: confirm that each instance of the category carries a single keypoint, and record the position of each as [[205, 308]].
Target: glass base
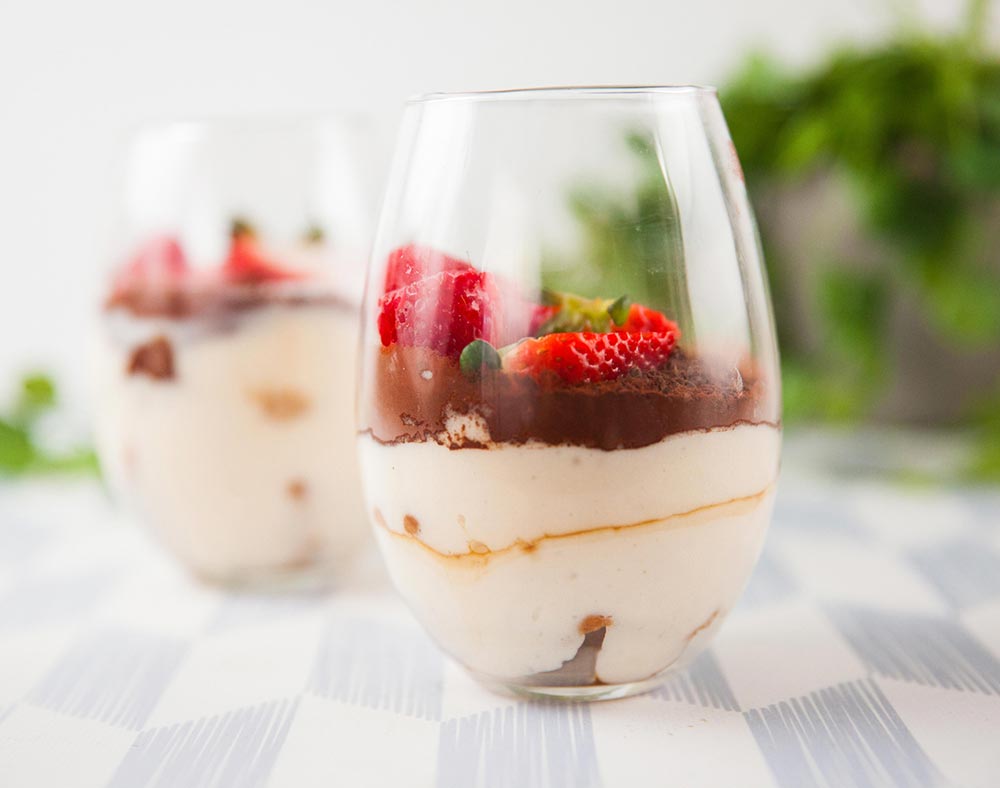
[[592, 692]]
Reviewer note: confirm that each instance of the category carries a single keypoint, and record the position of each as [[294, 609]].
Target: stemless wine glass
[[569, 399], [226, 354]]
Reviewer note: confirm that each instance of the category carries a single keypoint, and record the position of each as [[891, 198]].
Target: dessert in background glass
[[569, 399], [226, 351]]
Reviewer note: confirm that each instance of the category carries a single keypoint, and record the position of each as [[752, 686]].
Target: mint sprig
[[477, 356]]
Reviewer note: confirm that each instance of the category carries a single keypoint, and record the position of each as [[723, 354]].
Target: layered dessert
[[225, 407], [565, 496]]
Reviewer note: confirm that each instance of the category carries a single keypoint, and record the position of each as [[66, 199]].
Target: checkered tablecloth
[[865, 652]]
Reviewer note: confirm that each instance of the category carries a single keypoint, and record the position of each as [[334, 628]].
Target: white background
[[75, 76]]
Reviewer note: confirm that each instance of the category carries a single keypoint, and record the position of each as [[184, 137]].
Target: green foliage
[[914, 126], [21, 452], [985, 465]]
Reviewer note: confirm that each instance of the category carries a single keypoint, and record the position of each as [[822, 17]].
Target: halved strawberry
[[540, 315], [642, 318], [246, 263], [566, 312], [411, 263], [157, 262], [443, 312], [588, 357]]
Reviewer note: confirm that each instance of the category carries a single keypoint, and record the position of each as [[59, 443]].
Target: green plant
[[21, 449], [913, 126]]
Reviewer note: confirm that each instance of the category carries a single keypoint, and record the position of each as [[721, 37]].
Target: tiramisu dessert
[[225, 406], [570, 500]]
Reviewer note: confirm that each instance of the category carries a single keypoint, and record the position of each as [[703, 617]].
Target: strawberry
[[540, 315], [246, 262], [444, 312], [642, 318], [159, 261], [565, 312], [411, 263], [588, 357]]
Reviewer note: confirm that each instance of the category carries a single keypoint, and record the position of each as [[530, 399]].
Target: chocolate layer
[[179, 302], [414, 391]]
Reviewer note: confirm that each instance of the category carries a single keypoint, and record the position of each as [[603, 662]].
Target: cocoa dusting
[[297, 489], [154, 359], [635, 410], [411, 524], [281, 404], [581, 671]]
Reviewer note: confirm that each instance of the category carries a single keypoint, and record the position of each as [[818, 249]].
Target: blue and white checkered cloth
[[866, 652]]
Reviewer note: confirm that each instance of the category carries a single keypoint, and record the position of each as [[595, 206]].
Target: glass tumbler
[[226, 346], [569, 399]]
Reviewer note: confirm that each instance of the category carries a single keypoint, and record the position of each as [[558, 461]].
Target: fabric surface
[[865, 652]]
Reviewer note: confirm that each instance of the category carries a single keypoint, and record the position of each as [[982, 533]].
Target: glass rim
[[563, 92]]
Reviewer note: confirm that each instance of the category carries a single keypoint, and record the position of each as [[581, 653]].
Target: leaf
[[20, 451], [16, 449]]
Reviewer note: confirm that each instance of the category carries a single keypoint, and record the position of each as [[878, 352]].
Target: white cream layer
[[469, 498], [245, 460], [511, 549]]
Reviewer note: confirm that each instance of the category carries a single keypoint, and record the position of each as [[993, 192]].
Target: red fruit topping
[[247, 263], [587, 357], [411, 263], [540, 315], [444, 312], [159, 261], [642, 318]]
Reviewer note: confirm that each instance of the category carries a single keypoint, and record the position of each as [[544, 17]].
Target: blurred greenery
[[21, 449], [912, 127]]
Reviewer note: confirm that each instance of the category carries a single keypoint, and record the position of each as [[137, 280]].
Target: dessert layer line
[[733, 507]]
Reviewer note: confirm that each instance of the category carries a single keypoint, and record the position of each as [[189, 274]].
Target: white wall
[[76, 75]]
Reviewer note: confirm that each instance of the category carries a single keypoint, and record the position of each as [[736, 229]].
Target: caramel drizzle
[[483, 553]]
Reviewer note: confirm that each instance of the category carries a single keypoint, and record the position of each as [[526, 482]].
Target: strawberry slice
[[159, 261], [246, 263], [589, 357], [540, 315], [411, 263], [443, 312], [642, 318], [569, 313]]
